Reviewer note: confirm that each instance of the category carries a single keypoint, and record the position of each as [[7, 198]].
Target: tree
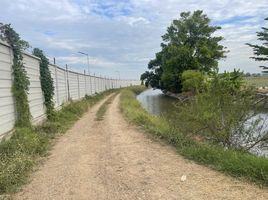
[[187, 45], [261, 51]]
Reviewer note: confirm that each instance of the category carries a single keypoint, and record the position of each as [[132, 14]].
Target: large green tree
[[261, 51], [189, 43]]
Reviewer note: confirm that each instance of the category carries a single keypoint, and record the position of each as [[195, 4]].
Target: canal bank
[[234, 163], [157, 103]]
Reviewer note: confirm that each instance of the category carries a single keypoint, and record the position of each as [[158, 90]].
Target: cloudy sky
[[123, 35]]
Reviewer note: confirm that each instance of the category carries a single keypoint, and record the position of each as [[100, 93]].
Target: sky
[[122, 36]]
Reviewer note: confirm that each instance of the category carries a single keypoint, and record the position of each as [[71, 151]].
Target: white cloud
[[125, 35], [68, 44], [93, 61], [133, 20]]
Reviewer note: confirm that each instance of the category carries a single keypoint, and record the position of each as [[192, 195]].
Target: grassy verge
[[19, 153], [234, 163], [102, 110], [257, 81]]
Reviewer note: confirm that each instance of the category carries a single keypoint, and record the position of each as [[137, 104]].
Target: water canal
[[156, 103]]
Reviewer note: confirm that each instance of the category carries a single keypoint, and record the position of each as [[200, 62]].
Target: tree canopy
[[261, 51], [188, 44]]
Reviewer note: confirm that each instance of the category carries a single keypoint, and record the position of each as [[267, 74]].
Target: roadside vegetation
[[224, 110], [230, 160], [217, 120], [20, 153]]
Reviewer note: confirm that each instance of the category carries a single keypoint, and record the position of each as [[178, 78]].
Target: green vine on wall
[[20, 85], [46, 81]]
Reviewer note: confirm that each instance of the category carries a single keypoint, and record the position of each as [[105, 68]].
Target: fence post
[[78, 85], [57, 86], [85, 82], [68, 85], [90, 84], [101, 80], [100, 83], [65, 84], [95, 83], [105, 83]]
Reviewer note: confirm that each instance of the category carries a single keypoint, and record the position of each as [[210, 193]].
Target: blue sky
[[123, 35]]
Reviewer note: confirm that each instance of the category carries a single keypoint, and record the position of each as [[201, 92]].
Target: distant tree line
[[248, 74]]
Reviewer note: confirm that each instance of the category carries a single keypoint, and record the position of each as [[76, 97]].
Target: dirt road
[[110, 159]]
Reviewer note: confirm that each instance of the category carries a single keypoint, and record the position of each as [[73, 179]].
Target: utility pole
[[86, 54]]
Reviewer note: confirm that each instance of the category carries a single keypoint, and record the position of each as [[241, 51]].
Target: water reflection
[[156, 103]]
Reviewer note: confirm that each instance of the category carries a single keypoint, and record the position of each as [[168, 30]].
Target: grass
[[102, 110], [238, 164], [258, 81], [21, 152]]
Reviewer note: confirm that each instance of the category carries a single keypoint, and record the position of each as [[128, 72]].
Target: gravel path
[[110, 160]]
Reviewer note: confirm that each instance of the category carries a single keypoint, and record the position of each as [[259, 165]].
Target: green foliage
[[18, 154], [233, 81], [261, 51], [220, 113], [46, 81], [229, 161], [193, 81], [189, 44], [20, 85]]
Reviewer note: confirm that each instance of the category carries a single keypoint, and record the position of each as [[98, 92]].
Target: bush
[[220, 113], [17, 155], [193, 81]]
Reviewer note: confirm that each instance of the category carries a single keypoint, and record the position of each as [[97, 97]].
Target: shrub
[[193, 81], [220, 113]]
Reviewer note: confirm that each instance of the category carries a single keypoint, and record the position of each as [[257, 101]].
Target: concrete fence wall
[[68, 85]]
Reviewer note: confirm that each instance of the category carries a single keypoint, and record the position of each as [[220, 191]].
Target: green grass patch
[[234, 163], [20, 153], [102, 110]]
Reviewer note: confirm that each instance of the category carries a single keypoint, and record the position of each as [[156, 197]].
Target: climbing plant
[[46, 81], [20, 85]]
